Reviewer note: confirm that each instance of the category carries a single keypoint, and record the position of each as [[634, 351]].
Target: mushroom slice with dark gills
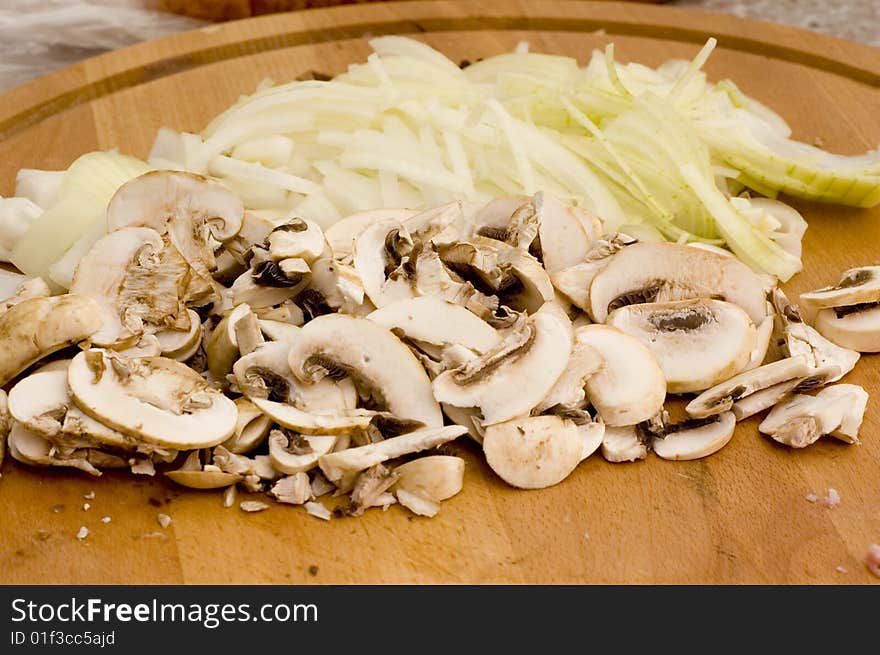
[[856, 286], [343, 233], [514, 376], [385, 253], [798, 338], [574, 281], [767, 398], [855, 326], [186, 207], [495, 268], [698, 343], [661, 272], [292, 453], [297, 238], [623, 444], [381, 365], [265, 373], [629, 387], [836, 411], [722, 396], [694, 438]]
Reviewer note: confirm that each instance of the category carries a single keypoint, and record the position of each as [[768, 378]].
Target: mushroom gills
[[515, 377], [722, 396], [661, 272], [856, 327], [698, 343], [856, 286], [770, 396]]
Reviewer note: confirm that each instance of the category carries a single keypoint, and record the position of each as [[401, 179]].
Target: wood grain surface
[[737, 517]]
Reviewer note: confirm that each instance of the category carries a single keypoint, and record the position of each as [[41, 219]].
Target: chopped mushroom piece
[[253, 506], [695, 438], [630, 387], [31, 448], [837, 411], [698, 343], [293, 489], [336, 464], [856, 286], [856, 327], [437, 477], [766, 398], [514, 377], [38, 327], [872, 559], [318, 510], [251, 428], [369, 489], [622, 444], [164, 520], [417, 503], [293, 453], [380, 364], [533, 452], [574, 282], [155, 399], [660, 272]]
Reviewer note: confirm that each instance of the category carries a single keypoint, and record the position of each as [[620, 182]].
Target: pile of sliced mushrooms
[[232, 351]]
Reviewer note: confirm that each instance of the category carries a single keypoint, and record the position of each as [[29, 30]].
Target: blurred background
[[39, 36]]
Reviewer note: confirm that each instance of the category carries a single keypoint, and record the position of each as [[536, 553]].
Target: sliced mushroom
[[39, 327], [856, 286], [378, 362], [381, 254], [767, 398], [437, 322], [342, 234], [436, 477], [695, 438], [763, 336], [800, 339], [592, 437], [340, 286], [291, 453], [222, 347], [630, 387], [265, 375], [469, 418], [156, 399], [251, 428], [660, 272], [569, 388], [30, 447], [574, 281], [622, 444], [566, 233], [697, 343], [336, 464], [181, 344], [212, 478], [297, 238], [15, 287], [265, 286], [5, 423], [721, 397], [278, 330], [856, 326], [292, 490], [533, 452], [800, 421], [186, 206], [512, 378], [138, 283]]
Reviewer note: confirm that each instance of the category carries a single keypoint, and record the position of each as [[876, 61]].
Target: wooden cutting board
[[737, 517]]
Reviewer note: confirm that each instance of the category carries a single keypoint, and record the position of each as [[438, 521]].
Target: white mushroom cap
[[695, 438], [802, 420], [658, 272], [336, 464], [630, 387], [158, 400], [38, 327], [437, 477], [622, 444], [858, 330], [437, 322], [722, 396], [376, 360], [697, 343], [514, 384], [856, 286], [533, 452], [298, 453], [592, 436], [566, 232]]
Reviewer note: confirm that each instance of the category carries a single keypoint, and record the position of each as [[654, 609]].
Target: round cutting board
[[739, 516]]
